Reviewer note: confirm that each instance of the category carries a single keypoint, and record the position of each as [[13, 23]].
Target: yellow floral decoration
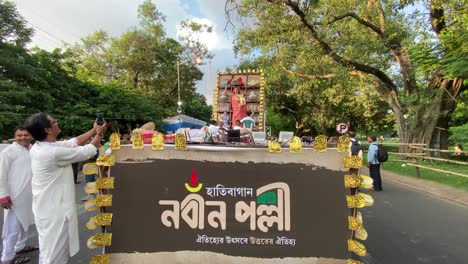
[[296, 145], [157, 142], [100, 240], [343, 143], [137, 141], [320, 143], [356, 247], [103, 219], [91, 188], [90, 168], [105, 183], [106, 160], [180, 142], [356, 225], [352, 261], [100, 259], [359, 200], [114, 141], [352, 162], [104, 200], [274, 147]]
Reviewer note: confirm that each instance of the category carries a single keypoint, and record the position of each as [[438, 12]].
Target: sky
[[67, 21]]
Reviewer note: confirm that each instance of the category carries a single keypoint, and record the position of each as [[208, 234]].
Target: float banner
[[262, 210]]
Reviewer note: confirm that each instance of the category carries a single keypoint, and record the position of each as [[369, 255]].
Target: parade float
[[184, 203]]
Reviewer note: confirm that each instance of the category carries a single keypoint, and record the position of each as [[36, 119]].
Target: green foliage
[[354, 60], [459, 134], [132, 80], [12, 25]]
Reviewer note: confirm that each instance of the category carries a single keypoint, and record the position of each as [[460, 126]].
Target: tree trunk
[[429, 122]]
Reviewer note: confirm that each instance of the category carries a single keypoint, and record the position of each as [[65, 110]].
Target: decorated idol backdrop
[[261, 210]]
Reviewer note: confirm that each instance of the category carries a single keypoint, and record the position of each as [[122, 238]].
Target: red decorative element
[[194, 179], [239, 79]]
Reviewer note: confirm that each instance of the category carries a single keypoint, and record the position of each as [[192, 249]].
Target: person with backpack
[[373, 163], [355, 148]]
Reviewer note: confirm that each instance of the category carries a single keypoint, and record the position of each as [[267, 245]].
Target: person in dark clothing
[[373, 164]]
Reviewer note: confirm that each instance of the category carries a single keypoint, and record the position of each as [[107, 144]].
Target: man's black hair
[[36, 125], [20, 127], [374, 138]]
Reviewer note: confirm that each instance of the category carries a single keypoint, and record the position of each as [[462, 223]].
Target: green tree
[[143, 58], [346, 40], [13, 27]]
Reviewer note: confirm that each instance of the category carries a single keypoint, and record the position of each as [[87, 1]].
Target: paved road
[[408, 227], [404, 226]]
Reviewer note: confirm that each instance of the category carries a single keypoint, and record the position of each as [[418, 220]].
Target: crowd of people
[[37, 189], [219, 130]]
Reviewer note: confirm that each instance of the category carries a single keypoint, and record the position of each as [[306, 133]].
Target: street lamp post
[[179, 103]]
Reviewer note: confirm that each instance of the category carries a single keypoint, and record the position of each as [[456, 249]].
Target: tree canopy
[[132, 79], [386, 48]]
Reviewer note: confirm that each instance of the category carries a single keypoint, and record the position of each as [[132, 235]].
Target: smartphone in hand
[[100, 119]]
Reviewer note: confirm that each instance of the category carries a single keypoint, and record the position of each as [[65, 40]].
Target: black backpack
[[382, 154], [355, 148]]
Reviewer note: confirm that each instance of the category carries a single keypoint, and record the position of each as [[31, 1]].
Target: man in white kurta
[[15, 194], [53, 186]]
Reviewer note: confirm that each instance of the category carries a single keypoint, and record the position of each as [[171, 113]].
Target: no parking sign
[[342, 128]]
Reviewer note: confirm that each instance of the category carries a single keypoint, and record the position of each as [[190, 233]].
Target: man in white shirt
[[53, 187], [248, 122], [16, 197]]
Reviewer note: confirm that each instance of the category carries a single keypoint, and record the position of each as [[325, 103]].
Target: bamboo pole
[[443, 160], [441, 150], [438, 170]]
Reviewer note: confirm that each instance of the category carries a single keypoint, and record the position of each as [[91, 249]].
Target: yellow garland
[[356, 247], [352, 162], [180, 142], [100, 240], [106, 160], [104, 200], [100, 259], [274, 147], [157, 142], [137, 141], [356, 225], [90, 205], [90, 168], [343, 143], [367, 182], [352, 261], [296, 145], [105, 183], [359, 200], [320, 143], [114, 141], [103, 219], [353, 181], [91, 188]]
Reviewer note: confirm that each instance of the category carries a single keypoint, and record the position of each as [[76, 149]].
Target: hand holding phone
[[100, 119]]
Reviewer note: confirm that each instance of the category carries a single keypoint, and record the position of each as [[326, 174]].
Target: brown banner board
[[250, 209]]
